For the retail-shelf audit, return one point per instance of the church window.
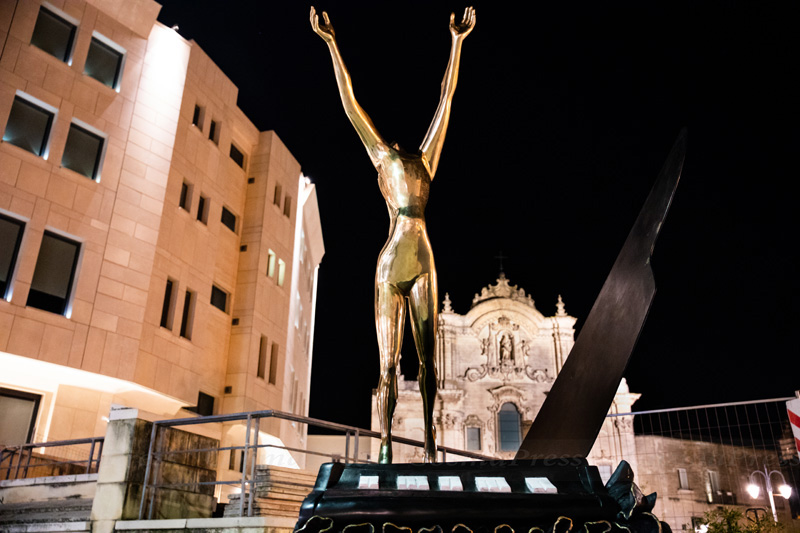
(683, 479)
(272, 258)
(281, 272)
(273, 364)
(713, 481)
(473, 439)
(509, 423)
(84, 150)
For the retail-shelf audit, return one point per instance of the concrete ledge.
(241, 521)
(177, 523)
(207, 523)
(49, 480)
(48, 528)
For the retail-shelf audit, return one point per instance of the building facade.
(495, 365)
(156, 249)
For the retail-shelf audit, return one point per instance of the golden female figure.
(405, 265)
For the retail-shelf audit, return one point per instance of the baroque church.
(496, 364)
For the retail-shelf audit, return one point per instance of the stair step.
(72, 510)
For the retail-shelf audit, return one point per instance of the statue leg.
(424, 323)
(389, 320)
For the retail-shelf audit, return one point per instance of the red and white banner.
(793, 406)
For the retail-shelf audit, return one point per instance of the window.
(228, 219)
(473, 439)
(54, 33)
(273, 364)
(185, 201)
(11, 231)
(168, 307)
(202, 209)
(509, 424)
(271, 258)
(84, 150)
(219, 298)
(281, 272)
(29, 124)
(287, 206)
(261, 371)
(188, 315)
(54, 274)
(713, 482)
(605, 473)
(237, 155)
(205, 405)
(104, 61)
(277, 198)
(683, 479)
(18, 412)
(197, 116)
(213, 131)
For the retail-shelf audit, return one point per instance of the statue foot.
(385, 454)
(430, 452)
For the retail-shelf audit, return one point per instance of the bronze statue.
(405, 265)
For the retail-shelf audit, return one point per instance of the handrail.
(24, 452)
(253, 419)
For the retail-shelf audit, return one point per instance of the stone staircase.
(279, 492)
(59, 515)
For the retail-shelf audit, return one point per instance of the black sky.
(563, 115)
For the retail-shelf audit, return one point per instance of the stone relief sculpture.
(406, 269)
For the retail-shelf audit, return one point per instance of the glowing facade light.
(753, 490)
(785, 490)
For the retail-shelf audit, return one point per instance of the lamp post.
(753, 489)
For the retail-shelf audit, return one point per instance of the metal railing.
(250, 448)
(22, 461)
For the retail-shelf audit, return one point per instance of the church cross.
(500, 258)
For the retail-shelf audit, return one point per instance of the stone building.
(157, 250)
(495, 365)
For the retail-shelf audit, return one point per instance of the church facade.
(496, 364)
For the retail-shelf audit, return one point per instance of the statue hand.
(324, 30)
(466, 25)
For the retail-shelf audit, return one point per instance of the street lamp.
(753, 489)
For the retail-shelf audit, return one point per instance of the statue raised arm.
(405, 270)
(360, 120)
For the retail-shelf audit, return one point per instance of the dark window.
(213, 134)
(229, 219)
(10, 240)
(188, 315)
(277, 198)
(473, 439)
(219, 298)
(18, 412)
(261, 371)
(237, 156)
(205, 405)
(509, 423)
(104, 63)
(287, 206)
(28, 126)
(273, 364)
(202, 210)
(83, 152)
(186, 196)
(53, 34)
(54, 273)
(197, 116)
(168, 306)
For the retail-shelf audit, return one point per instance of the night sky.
(563, 115)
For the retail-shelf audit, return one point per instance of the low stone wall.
(81, 486)
(256, 524)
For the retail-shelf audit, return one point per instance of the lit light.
(753, 490)
(702, 528)
(104, 419)
(786, 491)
